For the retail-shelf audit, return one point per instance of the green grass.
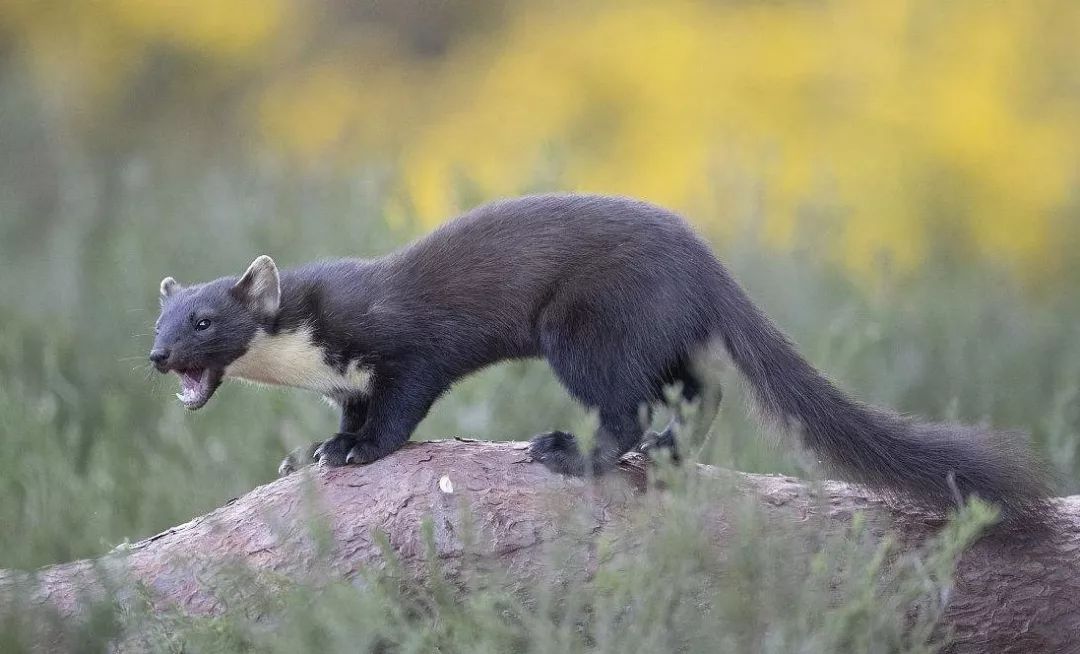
(94, 451)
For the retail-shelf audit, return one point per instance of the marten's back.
(524, 249)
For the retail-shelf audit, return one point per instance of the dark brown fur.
(619, 296)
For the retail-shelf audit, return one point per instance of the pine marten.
(619, 296)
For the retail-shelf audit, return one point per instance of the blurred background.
(898, 184)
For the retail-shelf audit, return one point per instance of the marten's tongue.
(194, 387)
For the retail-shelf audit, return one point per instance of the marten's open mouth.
(197, 385)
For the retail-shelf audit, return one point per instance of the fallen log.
(1010, 595)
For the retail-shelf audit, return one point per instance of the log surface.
(1018, 595)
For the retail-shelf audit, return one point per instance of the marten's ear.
(168, 288)
(260, 288)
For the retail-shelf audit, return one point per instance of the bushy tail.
(934, 464)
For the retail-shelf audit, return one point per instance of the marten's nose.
(158, 356)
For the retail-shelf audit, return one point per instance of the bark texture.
(1015, 595)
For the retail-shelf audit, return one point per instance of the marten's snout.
(158, 356)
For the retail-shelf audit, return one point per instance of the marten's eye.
(202, 324)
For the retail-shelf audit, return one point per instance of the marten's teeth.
(193, 387)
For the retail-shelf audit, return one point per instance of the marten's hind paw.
(558, 451)
(655, 445)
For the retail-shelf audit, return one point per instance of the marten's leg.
(619, 432)
(354, 409)
(606, 364)
(690, 390)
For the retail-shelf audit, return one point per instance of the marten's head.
(204, 328)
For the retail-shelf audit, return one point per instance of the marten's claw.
(333, 452)
(364, 452)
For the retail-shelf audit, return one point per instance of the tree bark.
(1010, 595)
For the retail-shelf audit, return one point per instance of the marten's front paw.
(558, 451)
(298, 458)
(334, 451)
(363, 452)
